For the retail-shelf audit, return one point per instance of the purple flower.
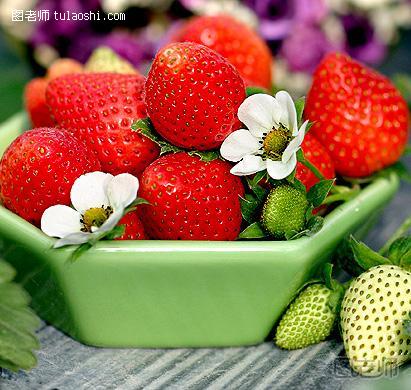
(362, 42)
(53, 31)
(279, 17)
(135, 48)
(304, 48)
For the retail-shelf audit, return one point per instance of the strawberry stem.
(341, 196)
(401, 231)
(311, 167)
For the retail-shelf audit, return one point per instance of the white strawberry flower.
(272, 139)
(99, 202)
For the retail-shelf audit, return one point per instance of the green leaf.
(314, 225)
(403, 83)
(365, 256)
(256, 188)
(17, 324)
(319, 191)
(299, 106)
(250, 206)
(298, 185)
(145, 127)
(400, 252)
(327, 274)
(117, 232)
(80, 250)
(209, 155)
(255, 230)
(254, 90)
(134, 205)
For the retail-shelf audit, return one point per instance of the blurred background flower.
(299, 32)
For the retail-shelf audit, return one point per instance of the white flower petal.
(260, 112)
(279, 170)
(112, 221)
(122, 190)
(73, 239)
(239, 144)
(295, 143)
(248, 166)
(90, 190)
(289, 113)
(60, 221)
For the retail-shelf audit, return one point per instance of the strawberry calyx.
(396, 251)
(145, 127)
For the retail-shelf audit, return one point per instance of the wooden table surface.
(65, 364)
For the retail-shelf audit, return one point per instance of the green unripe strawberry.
(309, 319)
(103, 59)
(374, 312)
(284, 211)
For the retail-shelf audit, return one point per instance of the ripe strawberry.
(99, 108)
(35, 103)
(190, 199)
(192, 96)
(63, 66)
(103, 59)
(38, 169)
(358, 115)
(134, 229)
(284, 211)
(317, 155)
(309, 319)
(374, 310)
(235, 41)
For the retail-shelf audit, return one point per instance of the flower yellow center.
(95, 216)
(275, 142)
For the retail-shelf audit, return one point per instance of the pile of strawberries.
(83, 120)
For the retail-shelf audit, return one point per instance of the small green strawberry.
(311, 317)
(284, 211)
(374, 313)
(103, 59)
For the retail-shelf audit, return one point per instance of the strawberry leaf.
(400, 252)
(403, 83)
(297, 184)
(365, 256)
(145, 127)
(249, 207)
(254, 90)
(17, 324)
(319, 191)
(255, 187)
(299, 107)
(254, 231)
(314, 225)
(208, 155)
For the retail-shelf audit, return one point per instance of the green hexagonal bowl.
(174, 293)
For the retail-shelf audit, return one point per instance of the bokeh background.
(299, 33)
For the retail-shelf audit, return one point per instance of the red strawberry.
(39, 168)
(192, 96)
(317, 155)
(35, 103)
(134, 229)
(63, 66)
(100, 108)
(235, 41)
(358, 114)
(190, 199)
